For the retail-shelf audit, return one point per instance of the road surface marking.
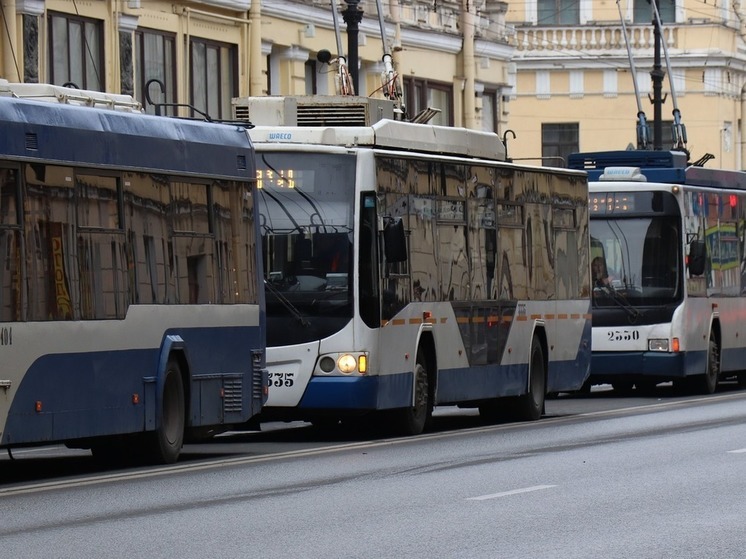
(513, 492)
(739, 451)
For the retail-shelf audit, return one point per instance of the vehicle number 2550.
(623, 335)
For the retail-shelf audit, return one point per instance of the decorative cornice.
(128, 23)
(30, 7)
(296, 53)
(302, 13)
(235, 5)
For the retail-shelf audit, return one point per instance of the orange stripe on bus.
(549, 316)
(562, 316)
(398, 322)
(521, 318)
(462, 319)
(415, 321)
(535, 317)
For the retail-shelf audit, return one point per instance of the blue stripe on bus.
(732, 359)
(454, 385)
(90, 394)
(609, 364)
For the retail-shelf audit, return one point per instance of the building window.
(558, 12)
(213, 82)
(421, 94)
(543, 84)
(643, 11)
(490, 105)
(154, 60)
(76, 54)
(557, 142)
(576, 84)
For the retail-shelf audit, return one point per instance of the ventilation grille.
(32, 142)
(333, 115)
(241, 112)
(331, 110)
(233, 395)
(258, 377)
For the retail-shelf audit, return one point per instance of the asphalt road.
(600, 476)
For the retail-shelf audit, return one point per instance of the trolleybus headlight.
(658, 345)
(326, 364)
(347, 363)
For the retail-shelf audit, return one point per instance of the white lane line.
(739, 451)
(513, 492)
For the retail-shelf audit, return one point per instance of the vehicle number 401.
(281, 379)
(623, 335)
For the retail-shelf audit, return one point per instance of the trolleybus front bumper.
(610, 366)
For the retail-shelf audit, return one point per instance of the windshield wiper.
(292, 309)
(632, 313)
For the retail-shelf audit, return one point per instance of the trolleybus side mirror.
(395, 240)
(697, 252)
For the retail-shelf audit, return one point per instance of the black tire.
(166, 441)
(530, 406)
(708, 382)
(413, 420)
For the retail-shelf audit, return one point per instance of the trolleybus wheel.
(530, 406)
(166, 441)
(709, 381)
(412, 420)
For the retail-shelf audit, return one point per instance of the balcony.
(592, 39)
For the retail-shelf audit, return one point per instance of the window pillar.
(30, 10)
(127, 25)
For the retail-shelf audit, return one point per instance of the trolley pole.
(353, 15)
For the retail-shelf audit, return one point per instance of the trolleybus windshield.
(306, 215)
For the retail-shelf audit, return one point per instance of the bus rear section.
(666, 262)
(130, 315)
(398, 279)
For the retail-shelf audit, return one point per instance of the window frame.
(416, 94)
(140, 54)
(222, 98)
(561, 147)
(98, 65)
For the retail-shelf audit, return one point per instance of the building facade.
(550, 76)
(451, 54)
(575, 85)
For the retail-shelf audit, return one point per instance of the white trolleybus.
(667, 248)
(409, 265)
(130, 316)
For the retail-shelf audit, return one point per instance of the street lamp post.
(657, 74)
(352, 15)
